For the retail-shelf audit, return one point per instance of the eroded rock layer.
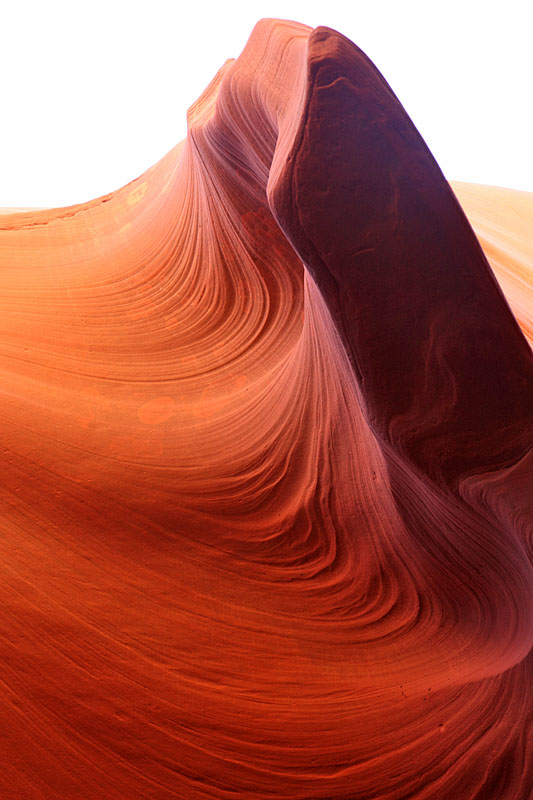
(267, 478)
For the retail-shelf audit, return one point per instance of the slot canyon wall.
(267, 493)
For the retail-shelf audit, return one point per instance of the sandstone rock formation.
(266, 454)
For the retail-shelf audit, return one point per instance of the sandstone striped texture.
(267, 481)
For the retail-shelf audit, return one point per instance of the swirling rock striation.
(266, 454)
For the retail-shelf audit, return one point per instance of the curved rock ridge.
(266, 453)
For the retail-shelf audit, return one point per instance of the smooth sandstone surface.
(267, 416)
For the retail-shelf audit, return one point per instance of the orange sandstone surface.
(267, 481)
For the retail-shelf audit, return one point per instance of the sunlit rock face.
(266, 473)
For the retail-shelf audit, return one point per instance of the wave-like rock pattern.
(267, 478)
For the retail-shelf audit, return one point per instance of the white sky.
(94, 93)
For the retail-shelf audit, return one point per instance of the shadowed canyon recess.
(267, 482)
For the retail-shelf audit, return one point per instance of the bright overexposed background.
(95, 92)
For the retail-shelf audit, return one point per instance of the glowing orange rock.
(267, 477)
